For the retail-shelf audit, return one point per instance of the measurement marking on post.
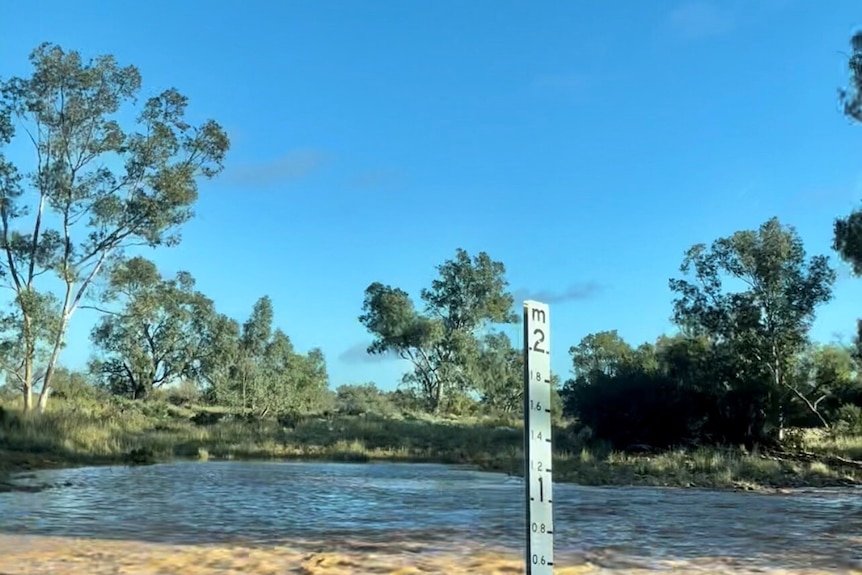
(538, 479)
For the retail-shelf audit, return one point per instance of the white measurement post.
(537, 439)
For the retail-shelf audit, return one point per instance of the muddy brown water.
(432, 510)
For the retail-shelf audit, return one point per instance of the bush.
(849, 420)
(9, 394)
(361, 399)
(184, 394)
(205, 418)
(75, 387)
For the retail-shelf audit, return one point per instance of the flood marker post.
(537, 439)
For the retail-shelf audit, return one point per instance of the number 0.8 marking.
(539, 528)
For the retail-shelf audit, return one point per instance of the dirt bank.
(35, 555)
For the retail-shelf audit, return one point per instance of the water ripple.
(437, 507)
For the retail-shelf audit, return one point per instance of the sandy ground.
(35, 555)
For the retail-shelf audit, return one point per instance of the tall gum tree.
(390, 315)
(93, 190)
(770, 317)
(441, 341)
(848, 230)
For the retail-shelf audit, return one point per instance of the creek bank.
(74, 434)
(16, 465)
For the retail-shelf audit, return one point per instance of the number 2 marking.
(541, 338)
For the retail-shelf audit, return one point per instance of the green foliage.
(604, 352)
(626, 402)
(260, 372)
(184, 394)
(8, 394)
(363, 398)
(740, 370)
(72, 215)
(158, 336)
(849, 420)
(441, 343)
(851, 97)
(75, 386)
(847, 238)
(767, 322)
(217, 364)
(498, 374)
(829, 374)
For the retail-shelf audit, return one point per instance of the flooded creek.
(419, 513)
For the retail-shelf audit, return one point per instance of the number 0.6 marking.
(540, 560)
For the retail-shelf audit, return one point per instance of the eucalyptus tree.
(440, 341)
(769, 317)
(160, 333)
(259, 372)
(89, 189)
(848, 230)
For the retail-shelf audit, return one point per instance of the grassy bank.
(124, 432)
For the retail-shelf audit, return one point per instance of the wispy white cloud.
(293, 165)
(358, 353)
(577, 291)
(699, 19)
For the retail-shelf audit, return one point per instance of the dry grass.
(704, 467)
(92, 433)
(822, 443)
(114, 432)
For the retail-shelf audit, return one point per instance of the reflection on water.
(437, 507)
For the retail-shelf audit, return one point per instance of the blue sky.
(584, 144)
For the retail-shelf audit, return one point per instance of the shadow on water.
(431, 508)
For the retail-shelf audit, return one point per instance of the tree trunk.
(68, 309)
(780, 423)
(27, 389)
(43, 398)
(778, 386)
(49, 369)
(29, 354)
(27, 384)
